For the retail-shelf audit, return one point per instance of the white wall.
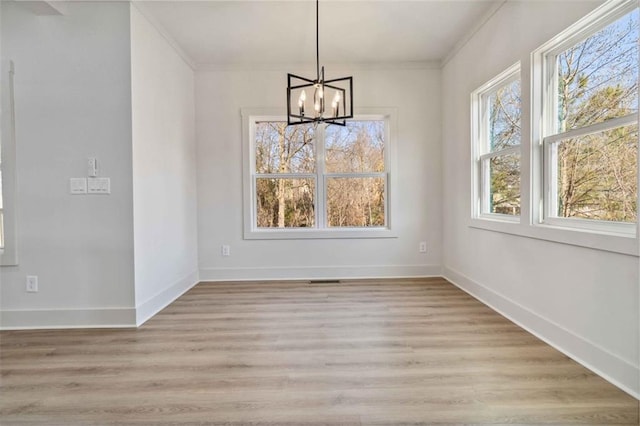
(219, 97)
(583, 301)
(164, 170)
(73, 101)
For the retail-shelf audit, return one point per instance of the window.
(589, 133)
(321, 181)
(555, 154)
(496, 142)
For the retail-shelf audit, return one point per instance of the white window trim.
(251, 232)
(479, 159)
(532, 176)
(9, 254)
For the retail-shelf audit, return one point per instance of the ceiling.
(259, 33)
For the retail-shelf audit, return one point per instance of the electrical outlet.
(100, 185)
(422, 247)
(226, 250)
(32, 284)
(78, 186)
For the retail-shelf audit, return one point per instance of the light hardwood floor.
(360, 352)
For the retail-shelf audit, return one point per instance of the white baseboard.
(605, 364)
(319, 272)
(155, 304)
(67, 318)
(96, 318)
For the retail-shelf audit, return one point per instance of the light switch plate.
(99, 185)
(78, 186)
(92, 167)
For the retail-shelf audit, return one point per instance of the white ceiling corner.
(43, 8)
(265, 33)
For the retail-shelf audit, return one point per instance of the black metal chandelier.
(339, 90)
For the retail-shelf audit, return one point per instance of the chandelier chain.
(318, 39)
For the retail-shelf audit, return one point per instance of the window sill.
(604, 241)
(499, 218)
(311, 234)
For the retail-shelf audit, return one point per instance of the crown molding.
(331, 67)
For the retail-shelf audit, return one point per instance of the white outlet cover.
(32, 284)
(99, 185)
(78, 186)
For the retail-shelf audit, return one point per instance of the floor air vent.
(324, 282)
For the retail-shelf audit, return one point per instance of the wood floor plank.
(362, 352)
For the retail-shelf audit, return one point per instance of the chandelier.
(313, 108)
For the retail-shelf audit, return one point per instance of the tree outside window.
(592, 151)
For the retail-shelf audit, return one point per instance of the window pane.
(504, 193)
(356, 147)
(285, 203)
(504, 117)
(282, 149)
(597, 175)
(355, 202)
(598, 78)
